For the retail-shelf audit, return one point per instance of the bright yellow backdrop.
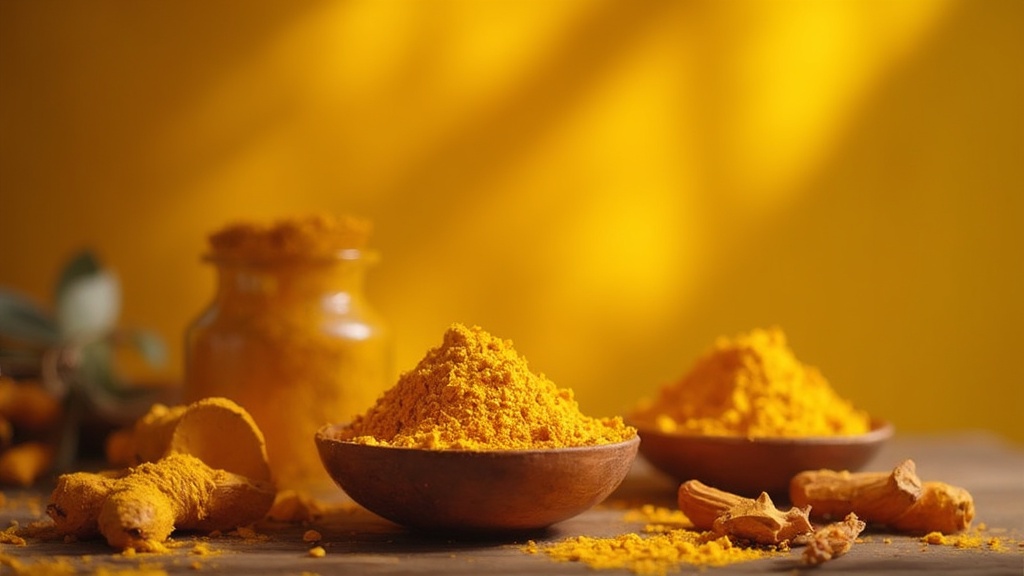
(609, 184)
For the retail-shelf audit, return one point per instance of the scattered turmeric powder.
(317, 552)
(658, 516)
(10, 536)
(976, 538)
(752, 386)
(475, 392)
(655, 554)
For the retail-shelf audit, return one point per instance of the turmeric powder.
(475, 392)
(655, 554)
(751, 386)
(315, 236)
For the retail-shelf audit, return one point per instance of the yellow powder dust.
(657, 519)
(40, 567)
(10, 536)
(475, 392)
(143, 570)
(203, 549)
(656, 554)
(307, 237)
(753, 386)
(974, 539)
(317, 552)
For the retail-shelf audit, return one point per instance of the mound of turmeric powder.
(475, 392)
(302, 238)
(753, 386)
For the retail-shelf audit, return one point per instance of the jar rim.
(368, 256)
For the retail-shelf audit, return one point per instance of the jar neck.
(289, 281)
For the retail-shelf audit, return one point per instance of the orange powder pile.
(751, 386)
(475, 392)
(302, 238)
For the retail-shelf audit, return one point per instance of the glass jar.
(295, 342)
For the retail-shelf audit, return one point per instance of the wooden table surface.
(357, 542)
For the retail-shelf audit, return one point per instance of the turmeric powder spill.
(649, 554)
(475, 392)
(752, 386)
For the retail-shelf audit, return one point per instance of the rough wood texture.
(357, 542)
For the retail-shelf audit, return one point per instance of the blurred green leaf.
(151, 346)
(80, 265)
(96, 369)
(21, 319)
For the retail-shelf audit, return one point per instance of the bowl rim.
(880, 430)
(322, 436)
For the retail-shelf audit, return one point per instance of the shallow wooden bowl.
(471, 491)
(749, 466)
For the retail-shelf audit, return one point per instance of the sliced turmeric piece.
(202, 429)
(147, 440)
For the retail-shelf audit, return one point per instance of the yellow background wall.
(609, 184)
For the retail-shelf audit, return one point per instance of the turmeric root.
(23, 464)
(178, 492)
(877, 496)
(77, 499)
(898, 499)
(223, 435)
(27, 405)
(727, 514)
(209, 472)
(941, 508)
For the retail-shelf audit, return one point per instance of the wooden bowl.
(475, 491)
(749, 466)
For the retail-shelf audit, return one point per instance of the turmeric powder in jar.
(290, 335)
(752, 386)
(475, 392)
